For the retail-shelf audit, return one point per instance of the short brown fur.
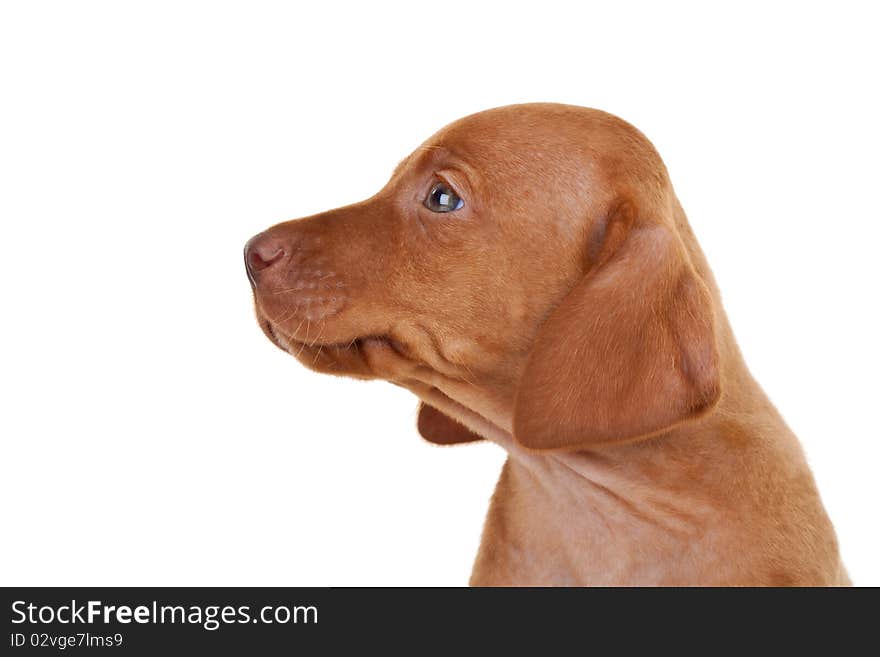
(567, 313)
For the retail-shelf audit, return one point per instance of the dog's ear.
(440, 429)
(630, 352)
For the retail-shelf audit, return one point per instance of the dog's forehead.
(536, 141)
(516, 129)
(544, 139)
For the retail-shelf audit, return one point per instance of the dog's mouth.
(335, 357)
(289, 344)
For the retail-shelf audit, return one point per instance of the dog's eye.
(441, 198)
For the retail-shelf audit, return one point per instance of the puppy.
(530, 275)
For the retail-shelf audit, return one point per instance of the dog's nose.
(261, 252)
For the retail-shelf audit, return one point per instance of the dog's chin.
(342, 358)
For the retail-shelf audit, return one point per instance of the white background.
(150, 433)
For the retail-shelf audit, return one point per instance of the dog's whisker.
(288, 316)
(299, 326)
(318, 337)
(298, 288)
(304, 343)
(305, 318)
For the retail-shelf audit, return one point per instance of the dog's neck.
(591, 518)
(673, 509)
(658, 512)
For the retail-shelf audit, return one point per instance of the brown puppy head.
(535, 254)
